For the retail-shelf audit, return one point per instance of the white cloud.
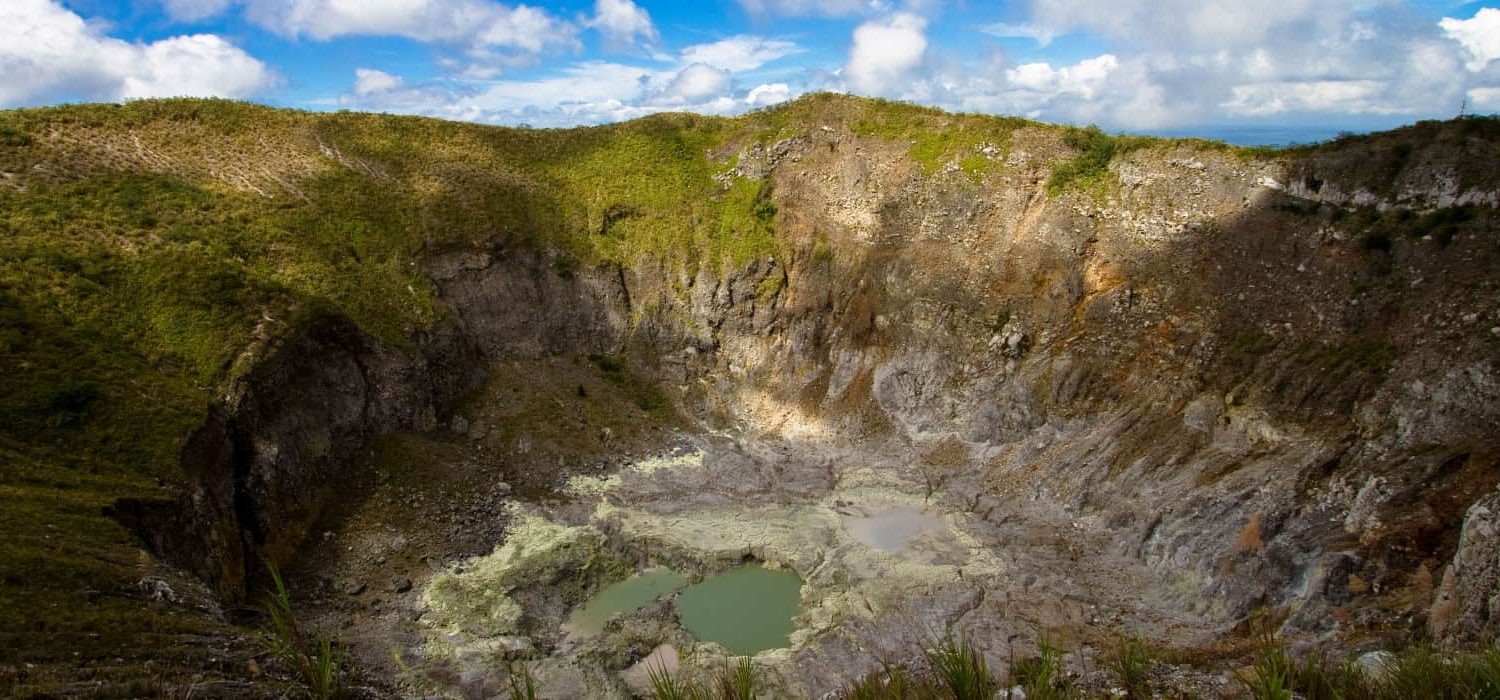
(622, 21)
(1479, 36)
(1168, 63)
(1043, 36)
(886, 53)
(768, 94)
(368, 81)
(476, 23)
(194, 10)
(739, 53)
(48, 53)
(1176, 62)
(200, 64)
(1484, 99)
(1186, 23)
(696, 83)
(1083, 79)
(1347, 96)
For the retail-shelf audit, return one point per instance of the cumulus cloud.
(1479, 36)
(1164, 63)
(623, 21)
(740, 53)
(477, 23)
(695, 83)
(48, 53)
(1186, 23)
(886, 53)
(368, 81)
(1264, 99)
(1083, 79)
(1485, 98)
(1176, 62)
(768, 94)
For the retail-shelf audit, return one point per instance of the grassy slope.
(144, 248)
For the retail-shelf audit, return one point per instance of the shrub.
(1095, 151)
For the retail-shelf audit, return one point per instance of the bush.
(1095, 151)
(1418, 672)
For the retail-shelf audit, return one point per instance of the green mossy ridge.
(939, 138)
(1095, 151)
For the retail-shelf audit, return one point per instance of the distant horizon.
(1234, 134)
(1206, 67)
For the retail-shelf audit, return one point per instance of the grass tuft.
(1130, 662)
(522, 683)
(961, 666)
(736, 681)
(316, 661)
(1043, 677)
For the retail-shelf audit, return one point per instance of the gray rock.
(1467, 607)
(1373, 663)
(400, 584)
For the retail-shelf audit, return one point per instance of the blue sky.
(1279, 71)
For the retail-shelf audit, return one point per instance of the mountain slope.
(208, 306)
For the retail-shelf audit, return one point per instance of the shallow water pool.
(890, 530)
(747, 610)
(626, 596)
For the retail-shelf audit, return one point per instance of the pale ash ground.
(884, 567)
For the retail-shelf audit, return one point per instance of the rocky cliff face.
(1246, 387)
(1218, 369)
(1269, 381)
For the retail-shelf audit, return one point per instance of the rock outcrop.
(1269, 381)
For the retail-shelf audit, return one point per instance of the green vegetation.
(891, 681)
(938, 138)
(152, 252)
(961, 667)
(1380, 229)
(1417, 672)
(522, 683)
(1043, 676)
(645, 395)
(316, 661)
(1131, 661)
(1095, 150)
(734, 682)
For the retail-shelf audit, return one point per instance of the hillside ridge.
(214, 310)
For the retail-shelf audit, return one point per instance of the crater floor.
(887, 567)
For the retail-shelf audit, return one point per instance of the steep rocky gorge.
(1203, 385)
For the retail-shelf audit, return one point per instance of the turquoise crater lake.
(747, 610)
(625, 596)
